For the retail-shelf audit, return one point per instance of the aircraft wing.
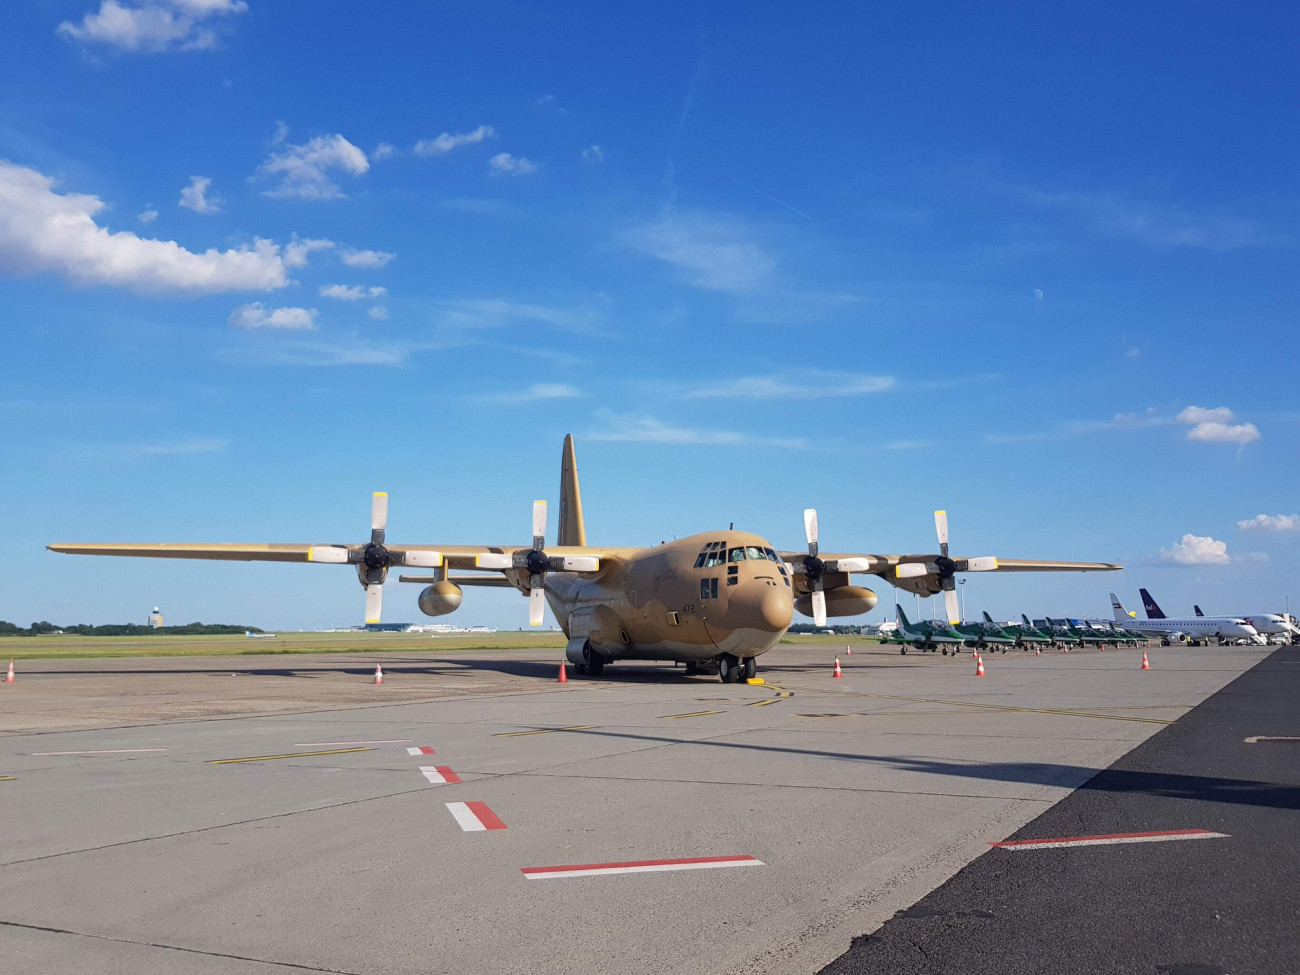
(454, 556)
(885, 565)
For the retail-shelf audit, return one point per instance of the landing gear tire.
(749, 668)
(729, 668)
(944, 651)
(903, 651)
(593, 664)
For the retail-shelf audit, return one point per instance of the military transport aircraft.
(716, 599)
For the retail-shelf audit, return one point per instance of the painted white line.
(1256, 739)
(440, 774)
(1110, 839)
(106, 751)
(639, 866)
(420, 750)
(474, 817)
(331, 744)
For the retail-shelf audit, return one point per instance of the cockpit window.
(771, 556)
(699, 562)
(714, 558)
(754, 552)
(737, 555)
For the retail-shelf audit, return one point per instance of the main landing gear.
(733, 670)
(593, 664)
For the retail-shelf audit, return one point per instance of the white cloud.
(195, 196)
(379, 313)
(1038, 293)
(499, 313)
(351, 292)
(298, 249)
(1216, 426)
(304, 170)
(151, 26)
(382, 151)
(257, 315)
(713, 252)
(1197, 550)
(41, 230)
(536, 393)
(1271, 523)
(812, 385)
(295, 351)
(354, 258)
(630, 428)
(148, 215)
(593, 154)
(504, 164)
(446, 142)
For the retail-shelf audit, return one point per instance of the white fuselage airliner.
(1187, 629)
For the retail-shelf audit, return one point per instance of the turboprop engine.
(841, 601)
(441, 598)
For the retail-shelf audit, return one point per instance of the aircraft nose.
(760, 606)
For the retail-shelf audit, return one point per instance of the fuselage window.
(704, 588)
(737, 555)
(713, 588)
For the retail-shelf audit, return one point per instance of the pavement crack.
(191, 951)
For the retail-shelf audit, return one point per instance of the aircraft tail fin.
(1025, 619)
(1198, 610)
(1121, 614)
(571, 531)
(1154, 612)
(987, 617)
(902, 617)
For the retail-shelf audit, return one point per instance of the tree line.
(124, 629)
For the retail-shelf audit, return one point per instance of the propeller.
(537, 563)
(814, 568)
(374, 559)
(945, 568)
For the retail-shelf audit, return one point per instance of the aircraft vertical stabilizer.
(572, 531)
(1198, 610)
(902, 617)
(1154, 612)
(1121, 614)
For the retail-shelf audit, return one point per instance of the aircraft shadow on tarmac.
(1165, 784)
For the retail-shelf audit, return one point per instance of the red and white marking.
(420, 750)
(474, 817)
(332, 744)
(439, 774)
(1107, 839)
(638, 866)
(106, 751)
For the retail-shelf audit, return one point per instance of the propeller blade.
(810, 528)
(986, 563)
(849, 565)
(336, 554)
(911, 570)
(374, 601)
(950, 604)
(941, 529)
(539, 525)
(819, 606)
(379, 513)
(579, 563)
(424, 559)
(493, 560)
(536, 606)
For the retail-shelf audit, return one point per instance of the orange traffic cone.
(1145, 664)
(837, 673)
(564, 674)
(979, 666)
(9, 677)
(848, 650)
(379, 674)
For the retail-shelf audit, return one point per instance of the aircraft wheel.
(750, 666)
(944, 651)
(729, 668)
(903, 651)
(593, 663)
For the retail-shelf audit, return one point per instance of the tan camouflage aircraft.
(713, 601)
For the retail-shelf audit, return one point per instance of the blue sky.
(1036, 266)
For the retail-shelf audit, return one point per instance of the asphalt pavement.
(1217, 905)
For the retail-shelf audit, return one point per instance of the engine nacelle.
(841, 601)
(1175, 637)
(441, 598)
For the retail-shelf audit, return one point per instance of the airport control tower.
(155, 618)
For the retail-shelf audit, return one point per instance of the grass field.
(56, 646)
